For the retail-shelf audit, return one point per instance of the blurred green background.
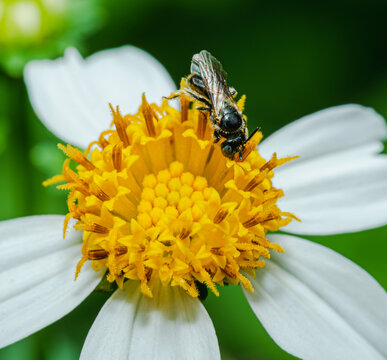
(290, 58)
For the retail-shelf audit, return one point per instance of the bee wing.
(214, 78)
(205, 57)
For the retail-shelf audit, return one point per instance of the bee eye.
(227, 150)
(231, 121)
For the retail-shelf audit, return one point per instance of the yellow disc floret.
(157, 201)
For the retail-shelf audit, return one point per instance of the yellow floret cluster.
(157, 201)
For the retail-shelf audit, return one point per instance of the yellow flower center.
(157, 201)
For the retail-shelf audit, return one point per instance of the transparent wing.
(205, 57)
(214, 78)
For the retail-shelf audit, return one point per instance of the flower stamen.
(184, 105)
(148, 115)
(117, 156)
(75, 155)
(120, 124)
(220, 216)
(95, 228)
(202, 124)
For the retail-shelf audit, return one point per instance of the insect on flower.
(207, 85)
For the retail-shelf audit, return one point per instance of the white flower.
(313, 302)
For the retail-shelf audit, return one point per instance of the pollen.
(157, 201)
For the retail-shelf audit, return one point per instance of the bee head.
(229, 148)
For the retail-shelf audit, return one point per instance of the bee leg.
(203, 108)
(240, 154)
(216, 136)
(175, 94)
(172, 96)
(195, 95)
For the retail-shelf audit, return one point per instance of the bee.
(207, 84)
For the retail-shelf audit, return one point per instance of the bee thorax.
(231, 120)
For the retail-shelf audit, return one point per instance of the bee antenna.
(252, 134)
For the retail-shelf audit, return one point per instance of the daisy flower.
(155, 209)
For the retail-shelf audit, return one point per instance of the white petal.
(338, 184)
(71, 95)
(37, 270)
(316, 304)
(335, 194)
(172, 325)
(327, 131)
